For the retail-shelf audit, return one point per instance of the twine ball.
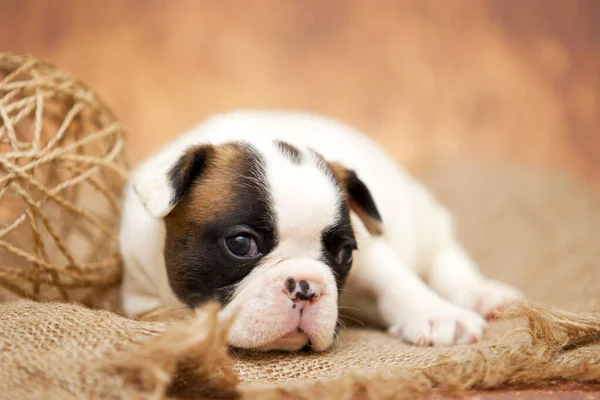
(62, 169)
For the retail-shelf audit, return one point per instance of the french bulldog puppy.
(271, 213)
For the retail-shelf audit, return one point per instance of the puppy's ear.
(162, 182)
(360, 199)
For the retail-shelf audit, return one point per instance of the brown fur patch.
(339, 172)
(215, 193)
(373, 226)
(342, 175)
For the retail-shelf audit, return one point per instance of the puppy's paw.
(488, 297)
(451, 325)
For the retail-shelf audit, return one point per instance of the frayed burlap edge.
(192, 358)
(189, 359)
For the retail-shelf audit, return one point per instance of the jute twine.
(62, 166)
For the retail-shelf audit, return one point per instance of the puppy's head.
(263, 228)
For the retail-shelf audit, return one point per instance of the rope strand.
(60, 146)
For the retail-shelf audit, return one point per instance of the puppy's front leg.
(408, 307)
(454, 275)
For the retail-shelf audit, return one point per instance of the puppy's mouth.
(295, 340)
(297, 334)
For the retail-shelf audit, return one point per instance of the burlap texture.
(537, 231)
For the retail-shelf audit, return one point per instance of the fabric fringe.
(192, 359)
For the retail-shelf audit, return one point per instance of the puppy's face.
(264, 229)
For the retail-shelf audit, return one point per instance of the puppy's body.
(415, 241)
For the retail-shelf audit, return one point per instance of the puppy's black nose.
(302, 290)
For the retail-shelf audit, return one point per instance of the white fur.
(264, 315)
(305, 202)
(418, 238)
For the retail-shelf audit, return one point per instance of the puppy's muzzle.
(285, 307)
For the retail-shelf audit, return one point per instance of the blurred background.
(500, 81)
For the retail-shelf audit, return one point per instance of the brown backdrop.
(498, 80)
(504, 80)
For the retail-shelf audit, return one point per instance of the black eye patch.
(198, 253)
(333, 240)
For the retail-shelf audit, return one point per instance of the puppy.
(268, 212)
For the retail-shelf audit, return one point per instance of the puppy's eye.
(344, 256)
(242, 245)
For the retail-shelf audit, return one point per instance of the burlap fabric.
(537, 231)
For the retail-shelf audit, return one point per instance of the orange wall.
(499, 80)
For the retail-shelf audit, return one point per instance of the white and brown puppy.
(264, 211)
